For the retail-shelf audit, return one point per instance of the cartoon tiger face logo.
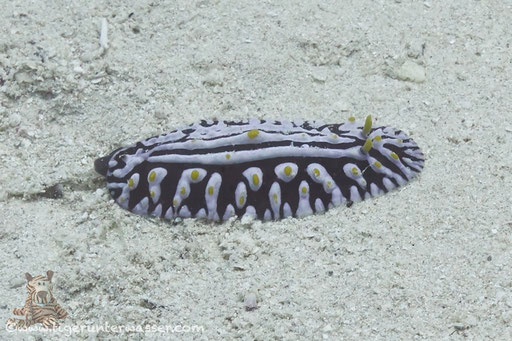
(40, 288)
(40, 305)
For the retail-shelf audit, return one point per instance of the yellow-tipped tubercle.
(152, 176)
(253, 133)
(367, 125)
(287, 170)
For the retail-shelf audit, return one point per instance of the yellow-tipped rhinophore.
(367, 125)
(367, 145)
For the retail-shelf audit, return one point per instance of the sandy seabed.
(431, 261)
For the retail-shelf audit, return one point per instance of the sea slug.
(259, 168)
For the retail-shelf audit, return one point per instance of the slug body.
(263, 169)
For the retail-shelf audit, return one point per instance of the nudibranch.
(263, 169)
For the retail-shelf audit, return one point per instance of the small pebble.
(459, 326)
(78, 69)
(52, 192)
(410, 71)
(99, 192)
(14, 120)
(23, 77)
(214, 78)
(250, 302)
(319, 76)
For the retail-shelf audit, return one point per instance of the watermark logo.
(40, 305)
